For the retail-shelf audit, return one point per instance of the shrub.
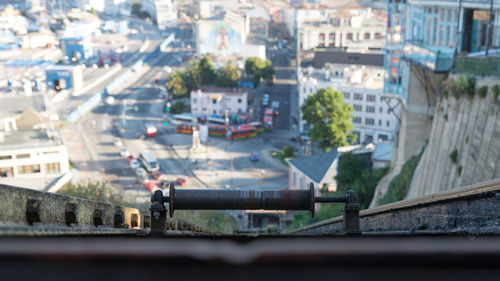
(449, 87)
(465, 84)
(454, 155)
(482, 91)
(495, 89)
(459, 170)
(467, 139)
(287, 151)
(445, 93)
(179, 107)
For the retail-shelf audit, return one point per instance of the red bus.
(241, 133)
(257, 125)
(186, 128)
(268, 123)
(217, 130)
(151, 130)
(269, 111)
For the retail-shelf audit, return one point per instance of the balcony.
(478, 66)
(433, 60)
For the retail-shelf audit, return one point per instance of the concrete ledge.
(472, 210)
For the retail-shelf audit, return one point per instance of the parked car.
(134, 164)
(109, 100)
(117, 141)
(124, 152)
(181, 181)
(157, 175)
(142, 175)
(254, 156)
(130, 158)
(151, 186)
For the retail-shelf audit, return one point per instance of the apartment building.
(360, 78)
(163, 12)
(215, 101)
(30, 153)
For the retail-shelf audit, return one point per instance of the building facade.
(362, 87)
(162, 12)
(32, 154)
(213, 101)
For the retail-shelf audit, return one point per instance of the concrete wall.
(470, 125)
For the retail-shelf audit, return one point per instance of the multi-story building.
(32, 153)
(356, 28)
(360, 78)
(162, 12)
(425, 40)
(215, 101)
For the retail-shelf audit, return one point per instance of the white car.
(117, 141)
(142, 175)
(109, 100)
(134, 164)
(124, 152)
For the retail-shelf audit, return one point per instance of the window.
(194, 99)
(383, 137)
(239, 110)
(321, 40)
(204, 109)
(371, 98)
(347, 95)
(349, 36)
(214, 101)
(356, 120)
(369, 121)
(28, 169)
(5, 157)
(52, 168)
(300, 183)
(239, 100)
(366, 36)
(6, 172)
(380, 110)
(23, 156)
(358, 96)
(370, 109)
(293, 179)
(215, 111)
(51, 152)
(388, 123)
(380, 122)
(357, 107)
(331, 39)
(388, 110)
(378, 35)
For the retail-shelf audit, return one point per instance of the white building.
(355, 27)
(215, 101)
(117, 7)
(30, 153)
(163, 12)
(360, 78)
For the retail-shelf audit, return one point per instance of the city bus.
(148, 161)
(183, 118)
(257, 125)
(186, 128)
(216, 120)
(217, 130)
(268, 123)
(241, 133)
(150, 130)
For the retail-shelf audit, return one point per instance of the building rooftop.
(315, 166)
(22, 139)
(340, 57)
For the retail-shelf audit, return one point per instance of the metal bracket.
(351, 214)
(158, 213)
(33, 210)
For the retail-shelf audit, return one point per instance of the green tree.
(96, 191)
(179, 107)
(259, 69)
(136, 9)
(92, 11)
(228, 76)
(207, 71)
(287, 151)
(330, 118)
(176, 84)
(192, 77)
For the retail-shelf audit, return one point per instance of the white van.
(149, 162)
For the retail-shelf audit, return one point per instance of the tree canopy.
(207, 70)
(228, 76)
(259, 69)
(329, 117)
(176, 84)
